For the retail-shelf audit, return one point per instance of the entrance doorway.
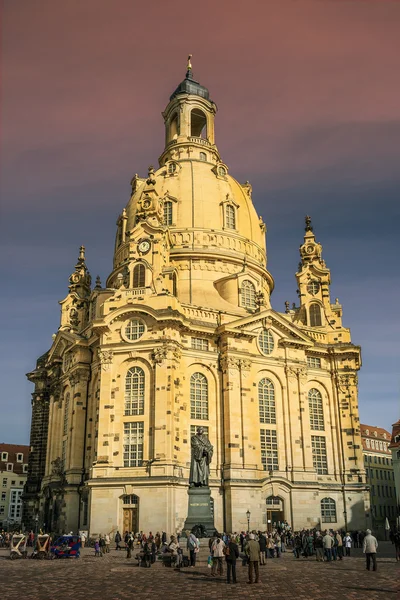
(275, 512)
(131, 513)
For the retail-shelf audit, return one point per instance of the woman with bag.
(231, 552)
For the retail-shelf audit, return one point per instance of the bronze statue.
(202, 452)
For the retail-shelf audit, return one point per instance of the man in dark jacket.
(231, 555)
(262, 540)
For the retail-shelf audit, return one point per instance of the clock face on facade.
(147, 204)
(144, 246)
(309, 249)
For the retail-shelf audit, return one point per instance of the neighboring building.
(182, 335)
(380, 477)
(395, 450)
(13, 473)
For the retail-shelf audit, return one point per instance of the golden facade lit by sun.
(182, 335)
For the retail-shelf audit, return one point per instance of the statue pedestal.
(199, 511)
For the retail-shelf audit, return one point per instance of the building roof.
(395, 441)
(375, 439)
(190, 86)
(12, 451)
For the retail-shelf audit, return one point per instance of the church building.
(183, 335)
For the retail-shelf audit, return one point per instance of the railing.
(199, 140)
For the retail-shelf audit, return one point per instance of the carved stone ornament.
(57, 468)
(55, 391)
(296, 372)
(159, 355)
(105, 357)
(349, 379)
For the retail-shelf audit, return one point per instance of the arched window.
(266, 341)
(168, 212)
(66, 414)
(139, 276)
(266, 399)
(198, 123)
(230, 217)
(173, 128)
(248, 294)
(172, 168)
(316, 409)
(199, 397)
(315, 315)
(203, 156)
(134, 391)
(328, 510)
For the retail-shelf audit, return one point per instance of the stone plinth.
(199, 509)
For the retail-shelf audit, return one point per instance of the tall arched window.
(203, 156)
(316, 409)
(248, 294)
(315, 315)
(328, 510)
(266, 399)
(230, 217)
(134, 391)
(198, 123)
(139, 276)
(168, 212)
(66, 413)
(199, 397)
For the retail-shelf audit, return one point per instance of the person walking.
(370, 547)
(252, 550)
(347, 543)
(107, 542)
(117, 540)
(193, 547)
(231, 555)
(217, 553)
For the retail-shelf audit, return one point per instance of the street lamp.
(248, 521)
(36, 524)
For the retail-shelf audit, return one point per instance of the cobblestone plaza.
(113, 577)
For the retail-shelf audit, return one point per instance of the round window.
(134, 329)
(172, 168)
(266, 341)
(313, 288)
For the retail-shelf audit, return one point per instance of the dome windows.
(172, 168)
(230, 217)
(248, 294)
(134, 330)
(173, 128)
(266, 341)
(222, 171)
(168, 212)
(203, 156)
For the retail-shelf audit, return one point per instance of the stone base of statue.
(199, 511)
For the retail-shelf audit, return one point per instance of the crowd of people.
(252, 548)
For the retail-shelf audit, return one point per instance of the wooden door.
(131, 520)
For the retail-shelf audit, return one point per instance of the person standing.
(231, 555)
(217, 553)
(263, 548)
(107, 541)
(193, 547)
(252, 550)
(370, 546)
(117, 540)
(339, 545)
(319, 547)
(328, 543)
(347, 543)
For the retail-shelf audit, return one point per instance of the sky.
(308, 98)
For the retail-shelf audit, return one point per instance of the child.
(97, 548)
